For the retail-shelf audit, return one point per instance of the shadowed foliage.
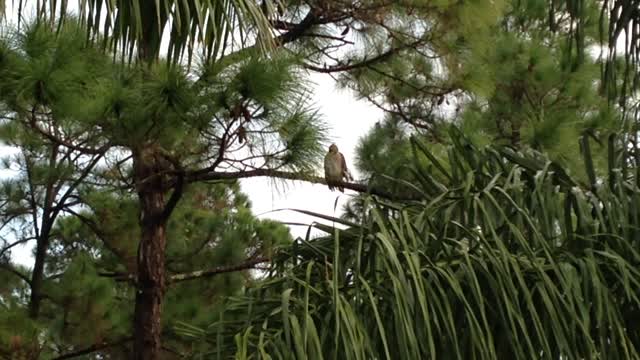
(508, 257)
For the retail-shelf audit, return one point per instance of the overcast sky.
(348, 119)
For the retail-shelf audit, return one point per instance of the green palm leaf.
(149, 28)
(494, 265)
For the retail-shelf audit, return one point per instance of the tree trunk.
(151, 255)
(515, 134)
(38, 275)
(42, 236)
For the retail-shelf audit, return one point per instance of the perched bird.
(335, 168)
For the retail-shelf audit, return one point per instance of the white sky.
(348, 118)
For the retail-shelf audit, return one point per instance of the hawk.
(335, 168)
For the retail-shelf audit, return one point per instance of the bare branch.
(361, 188)
(86, 172)
(22, 241)
(246, 265)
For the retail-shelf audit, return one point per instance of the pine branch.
(246, 265)
(95, 228)
(178, 189)
(62, 142)
(72, 187)
(364, 63)
(298, 30)
(18, 242)
(7, 267)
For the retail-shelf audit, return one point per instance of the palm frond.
(149, 28)
(510, 258)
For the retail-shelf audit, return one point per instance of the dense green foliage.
(521, 86)
(523, 243)
(92, 252)
(507, 258)
(73, 197)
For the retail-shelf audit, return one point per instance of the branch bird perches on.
(193, 176)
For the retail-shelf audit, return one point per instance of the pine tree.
(523, 86)
(62, 94)
(237, 115)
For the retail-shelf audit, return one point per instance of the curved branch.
(364, 63)
(18, 242)
(59, 141)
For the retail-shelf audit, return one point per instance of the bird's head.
(333, 149)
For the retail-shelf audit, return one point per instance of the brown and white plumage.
(335, 168)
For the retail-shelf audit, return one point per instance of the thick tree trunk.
(151, 255)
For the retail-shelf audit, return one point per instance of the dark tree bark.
(151, 284)
(42, 236)
(37, 276)
(149, 172)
